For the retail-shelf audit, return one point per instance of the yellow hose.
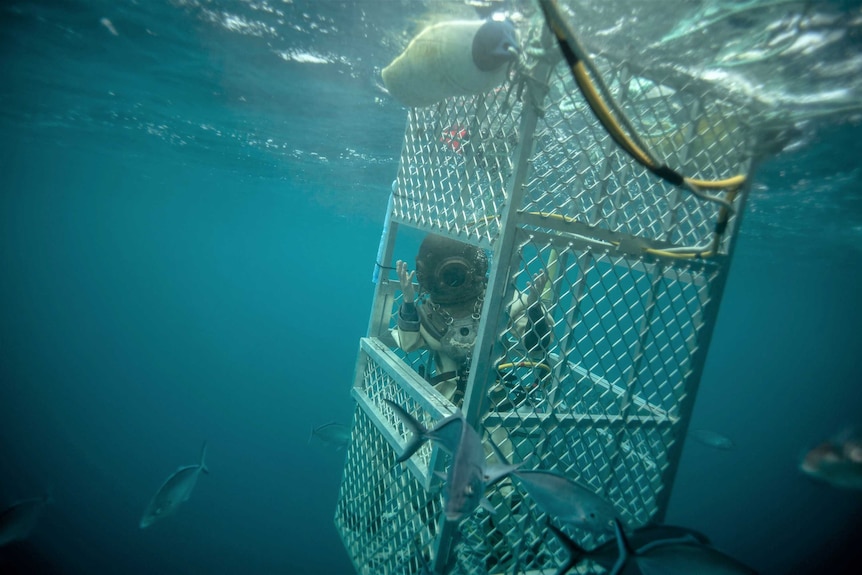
(576, 58)
(543, 366)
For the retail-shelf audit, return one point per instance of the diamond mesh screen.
(455, 163)
(386, 518)
(579, 172)
(604, 406)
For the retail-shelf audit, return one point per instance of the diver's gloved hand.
(406, 279)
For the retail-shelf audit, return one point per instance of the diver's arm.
(530, 321)
(407, 334)
(405, 278)
(408, 317)
(523, 300)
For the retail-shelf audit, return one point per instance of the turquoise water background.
(191, 197)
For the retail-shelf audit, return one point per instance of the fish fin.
(496, 473)
(487, 506)
(448, 432)
(498, 452)
(414, 426)
(687, 539)
(623, 545)
(203, 464)
(576, 552)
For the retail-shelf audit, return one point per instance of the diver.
(445, 316)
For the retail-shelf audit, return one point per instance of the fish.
(175, 490)
(566, 500)
(19, 519)
(606, 554)
(334, 435)
(468, 475)
(837, 462)
(711, 439)
(673, 556)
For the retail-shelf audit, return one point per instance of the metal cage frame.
(543, 188)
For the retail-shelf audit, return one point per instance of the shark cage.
(552, 174)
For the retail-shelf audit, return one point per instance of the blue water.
(189, 215)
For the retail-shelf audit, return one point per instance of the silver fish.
(19, 519)
(711, 439)
(334, 435)
(837, 462)
(468, 474)
(567, 500)
(673, 557)
(174, 491)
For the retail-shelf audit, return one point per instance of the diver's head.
(452, 272)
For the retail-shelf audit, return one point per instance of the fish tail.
(203, 464)
(623, 544)
(418, 431)
(576, 552)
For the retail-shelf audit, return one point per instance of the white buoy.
(458, 58)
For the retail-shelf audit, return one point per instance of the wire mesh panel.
(604, 402)
(578, 171)
(623, 272)
(386, 517)
(455, 163)
(387, 514)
